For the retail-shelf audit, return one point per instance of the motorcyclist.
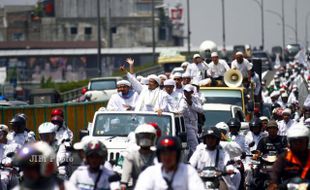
(47, 132)
(234, 128)
(19, 135)
(93, 175)
(273, 143)
(210, 153)
(254, 135)
(37, 162)
(170, 173)
(295, 161)
(137, 160)
(63, 132)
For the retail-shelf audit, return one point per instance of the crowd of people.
(282, 138)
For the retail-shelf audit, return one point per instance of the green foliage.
(62, 87)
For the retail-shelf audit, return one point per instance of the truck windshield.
(122, 124)
(102, 85)
(219, 96)
(215, 116)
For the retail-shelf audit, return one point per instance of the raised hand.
(130, 61)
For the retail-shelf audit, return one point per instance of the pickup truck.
(115, 128)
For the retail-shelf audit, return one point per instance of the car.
(101, 89)
(215, 113)
(264, 57)
(5, 103)
(114, 128)
(224, 95)
(291, 50)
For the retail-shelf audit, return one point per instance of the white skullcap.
(196, 56)
(145, 81)
(139, 77)
(274, 94)
(184, 64)
(189, 88)
(239, 53)
(154, 77)
(284, 95)
(186, 75)
(287, 111)
(262, 118)
(214, 54)
(282, 89)
(162, 76)
(169, 82)
(177, 75)
(124, 82)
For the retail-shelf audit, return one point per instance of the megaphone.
(233, 78)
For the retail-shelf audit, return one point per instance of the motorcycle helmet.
(158, 130)
(4, 128)
(145, 135)
(18, 123)
(255, 123)
(212, 131)
(298, 131)
(57, 112)
(223, 127)
(168, 143)
(234, 123)
(40, 151)
(97, 147)
(47, 127)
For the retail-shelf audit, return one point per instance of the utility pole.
(108, 21)
(153, 31)
(99, 39)
(296, 22)
(188, 29)
(223, 25)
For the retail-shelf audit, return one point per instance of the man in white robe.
(125, 99)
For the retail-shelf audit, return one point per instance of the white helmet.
(222, 126)
(298, 131)
(142, 138)
(47, 127)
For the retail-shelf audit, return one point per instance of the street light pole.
(223, 25)
(188, 29)
(283, 25)
(261, 6)
(98, 39)
(153, 31)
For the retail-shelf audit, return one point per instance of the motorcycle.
(213, 179)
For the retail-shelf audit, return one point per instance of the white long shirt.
(20, 138)
(250, 137)
(149, 98)
(203, 157)
(190, 111)
(83, 179)
(197, 71)
(240, 139)
(243, 67)
(118, 103)
(219, 69)
(185, 178)
(283, 126)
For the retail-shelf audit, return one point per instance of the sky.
(242, 18)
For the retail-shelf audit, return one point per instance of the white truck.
(116, 129)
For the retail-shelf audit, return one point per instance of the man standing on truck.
(125, 99)
(242, 64)
(197, 69)
(217, 67)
